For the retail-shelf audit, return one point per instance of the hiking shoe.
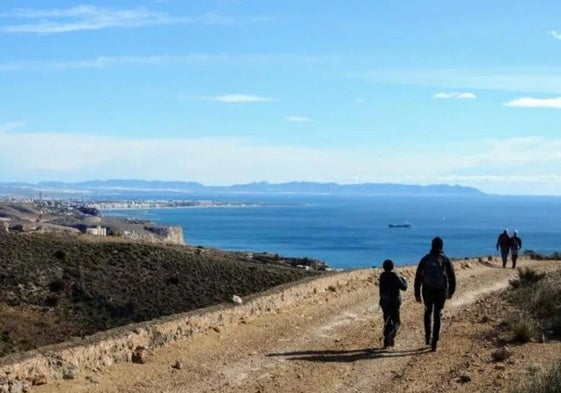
(433, 346)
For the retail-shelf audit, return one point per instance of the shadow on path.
(328, 356)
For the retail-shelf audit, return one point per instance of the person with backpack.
(503, 244)
(390, 300)
(515, 245)
(436, 280)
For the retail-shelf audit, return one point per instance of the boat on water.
(403, 225)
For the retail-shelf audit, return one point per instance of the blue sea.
(353, 231)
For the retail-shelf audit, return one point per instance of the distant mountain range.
(99, 186)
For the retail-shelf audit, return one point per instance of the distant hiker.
(515, 245)
(503, 244)
(390, 300)
(436, 280)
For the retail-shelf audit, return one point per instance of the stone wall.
(19, 372)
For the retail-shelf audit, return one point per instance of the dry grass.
(548, 381)
(539, 298)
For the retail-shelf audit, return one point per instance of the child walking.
(390, 300)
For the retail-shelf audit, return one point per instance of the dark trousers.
(514, 256)
(434, 303)
(391, 322)
(504, 256)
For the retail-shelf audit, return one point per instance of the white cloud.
(101, 62)
(518, 165)
(529, 102)
(240, 98)
(229, 98)
(462, 96)
(555, 34)
(86, 17)
(534, 79)
(298, 119)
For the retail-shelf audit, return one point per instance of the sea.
(353, 231)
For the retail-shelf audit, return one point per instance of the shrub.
(57, 285)
(526, 277)
(540, 298)
(547, 382)
(544, 299)
(59, 254)
(5, 337)
(538, 256)
(524, 329)
(52, 300)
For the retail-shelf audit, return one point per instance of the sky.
(225, 92)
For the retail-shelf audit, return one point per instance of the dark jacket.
(448, 267)
(503, 242)
(515, 243)
(390, 286)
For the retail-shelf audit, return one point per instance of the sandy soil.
(334, 345)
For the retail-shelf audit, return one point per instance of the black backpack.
(434, 273)
(514, 243)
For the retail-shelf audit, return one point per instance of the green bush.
(547, 382)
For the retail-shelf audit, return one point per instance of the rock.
(69, 373)
(501, 354)
(139, 355)
(236, 299)
(500, 367)
(464, 377)
(40, 380)
(91, 380)
(16, 387)
(177, 365)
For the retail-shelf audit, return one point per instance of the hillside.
(53, 287)
(67, 216)
(177, 188)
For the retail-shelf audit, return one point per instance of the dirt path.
(332, 345)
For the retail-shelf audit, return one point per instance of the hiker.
(436, 280)
(390, 300)
(503, 243)
(515, 245)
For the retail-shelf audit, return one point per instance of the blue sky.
(232, 91)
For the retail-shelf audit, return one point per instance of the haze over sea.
(352, 231)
